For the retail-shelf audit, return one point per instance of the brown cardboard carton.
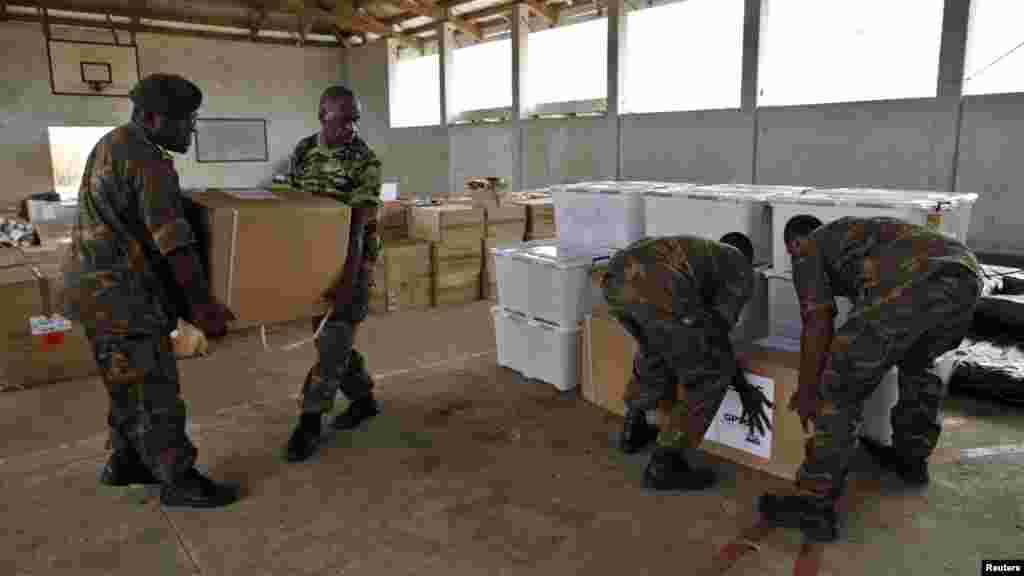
(456, 280)
(540, 218)
(407, 274)
(606, 366)
(392, 219)
(270, 261)
(447, 223)
(608, 352)
(507, 223)
(10, 256)
(780, 370)
(40, 346)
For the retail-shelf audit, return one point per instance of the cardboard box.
(607, 362)
(607, 365)
(407, 274)
(540, 218)
(453, 224)
(392, 219)
(456, 278)
(271, 260)
(507, 223)
(40, 346)
(10, 256)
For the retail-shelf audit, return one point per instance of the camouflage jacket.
(130, 217)
(869, 261)
(682, 273)
(350, 174)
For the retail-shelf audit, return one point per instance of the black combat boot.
(815, 517)
(194, 490)
(668, 470)
(636, 432)
(357, 412)
(305, 438)
(913, 470)
(125, 468)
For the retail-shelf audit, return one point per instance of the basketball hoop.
(98, 85)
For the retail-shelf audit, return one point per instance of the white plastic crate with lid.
(537, 350)
(599, 214)
(947, 213)
(784, 307)
(511, 337)
(714, 211)
(547, 280)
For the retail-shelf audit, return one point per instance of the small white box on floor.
(547, 280)
(948, 213)
(728, 430)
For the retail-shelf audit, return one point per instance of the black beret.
(167, 95)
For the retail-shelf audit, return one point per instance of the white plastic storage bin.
(553, 354)
(948, 213)
(63, 212)
(713, 212)
(599, 215)
(753, 323)
(547, 280)
(511, 334)
(784, 307)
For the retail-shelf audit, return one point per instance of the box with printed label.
(40, 345)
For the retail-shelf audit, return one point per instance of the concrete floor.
(469, 470)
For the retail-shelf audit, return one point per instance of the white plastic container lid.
(552, 253)
(879, 198)
(718, 193)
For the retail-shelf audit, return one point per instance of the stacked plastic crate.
(544, 288)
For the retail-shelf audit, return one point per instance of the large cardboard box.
(607, 363)
(270, 260)
(456, 274)
(452, 224)
(39, 345)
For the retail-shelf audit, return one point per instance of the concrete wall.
(279, 83)
(896, 144)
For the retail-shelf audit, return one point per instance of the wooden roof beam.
(548, 13)
(439, 14)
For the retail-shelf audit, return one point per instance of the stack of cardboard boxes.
(456, 234)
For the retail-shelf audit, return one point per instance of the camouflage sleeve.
(297, 159)
(810, 278)
(367, 180)
(160, 207)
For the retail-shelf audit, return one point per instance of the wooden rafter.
(167, 31)
(439, 14)
(345, 16)
(470, 16)
(406, 16)
(549, 14)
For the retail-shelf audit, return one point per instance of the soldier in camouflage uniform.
(337, 163)
(680, 298)
(133, 271)
(914, 293)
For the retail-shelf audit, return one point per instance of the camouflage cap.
(167, 94)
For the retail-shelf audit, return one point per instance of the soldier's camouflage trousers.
(147, 413)
(339, 366)
(911, 332)
(676, 347)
